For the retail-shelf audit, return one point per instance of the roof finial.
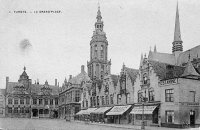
(24, 68)
(189, 56)
(99, 13)
(155, 50)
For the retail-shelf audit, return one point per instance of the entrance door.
(192, 117)
(35, 112)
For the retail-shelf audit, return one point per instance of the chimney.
(37, 81)
(56, 82)
(82, 69)
(70, 76)
(7, 80)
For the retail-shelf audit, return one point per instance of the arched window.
(101, 51)
(95, 49)
(145, 79)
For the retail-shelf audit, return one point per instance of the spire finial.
(99, 13)
(24, 68)
(155, 50)
(177, 32)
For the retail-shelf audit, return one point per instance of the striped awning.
(118, 110)
(139, 109)
(101, 110)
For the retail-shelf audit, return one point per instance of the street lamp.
(143, 101)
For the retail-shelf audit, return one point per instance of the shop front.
(119, 114)
(99, 115)
(148, 114)
(85, 114)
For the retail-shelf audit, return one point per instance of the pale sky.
(60, 43)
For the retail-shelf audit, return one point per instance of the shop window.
(10, 110)
(151, 95)
(169, 95)
(46, 111)
(9, 100)
(15, 101)
(34, 101)
(138, 117)
(169, 116)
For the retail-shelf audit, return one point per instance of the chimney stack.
(70, 76)
(56, 82)
(82, 69)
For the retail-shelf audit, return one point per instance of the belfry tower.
(98, 65)
(177, 43)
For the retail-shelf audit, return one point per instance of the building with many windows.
(24, 99)
(167, 85)
(70, 95)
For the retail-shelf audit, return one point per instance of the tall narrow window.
(192, 96)
(107, 100)
(102, 100)
(102, 51)
(128, 98)
(95, 49)
(169, 116)
(15, 101)
(9, 100)
(56, 101)
(169, 95)
(111, 99)
(151, 95)
(140, 97)
(97, 100)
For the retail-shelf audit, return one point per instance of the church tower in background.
(98, 65)
(177, 43)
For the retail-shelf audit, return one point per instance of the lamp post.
(143, 101)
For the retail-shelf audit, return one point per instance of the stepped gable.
(132, 73)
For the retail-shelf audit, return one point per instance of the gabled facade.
(24, 99)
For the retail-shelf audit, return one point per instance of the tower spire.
(177, 43)
(177, 32)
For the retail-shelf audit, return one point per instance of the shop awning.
(101, 110)
(139, 110)
(118, 110)
(80, 112)
(88, 111)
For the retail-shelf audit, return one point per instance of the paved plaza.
(58, 124)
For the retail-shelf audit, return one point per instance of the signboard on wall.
(168, 82)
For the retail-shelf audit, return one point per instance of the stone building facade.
(70, 95)
(167, 85)
(2, 102)
(24, 99)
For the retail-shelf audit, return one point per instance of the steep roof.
(132, 73)
(184, 56)
(83, 76)
(166, 71)
(35, 88)
(162, 57)
(190, 71)
(114, 79)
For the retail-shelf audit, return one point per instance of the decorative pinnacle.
(99, 13)
(24, 68)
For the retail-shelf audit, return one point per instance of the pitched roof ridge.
(190, 70)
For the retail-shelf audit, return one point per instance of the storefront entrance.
(192, 118)
(35, 112)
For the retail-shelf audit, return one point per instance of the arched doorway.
(55, 114)
(35, 112)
